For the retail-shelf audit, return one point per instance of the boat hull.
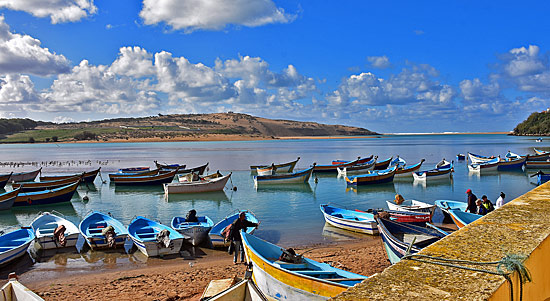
(433, 174)
(58, 195)
(413, 206)
(87, 177)
(408, 171)
(161, 178)
(375, 177)
(143, 233)
(361, 227)
(24, 176)
(216, 184)
(91, 229)
(537, 165)
(7, 199)
(298, 177)
(511, 164)
(281, 168)
(152, 248)
(44, 226)
(11, 248)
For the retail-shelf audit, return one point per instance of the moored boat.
(350, 220)
(412, 205)
(208, 185)
(134, 174)
(44, 197)
(14, 244)
(361, 161)
(24, 176)
(8, 198)
(412, 217)
(358, 168)
(154, 239)
(4, 180)
(194, 232)
(290, 178)
(133, 169)
(539, 155)
(282, 167)
(443, 170)
(398, 238)
(460, 157)
(384, 164)
(333, 168)
(372, 177)
(45, 226)
(511, 163)
(45, 185)
(198, 170)
(446, 205)
(537, 164)
(475, 159)
(170, 166)
(215, 233)
(406, 172)
(87, 177)
(486, 166)
(462, 218)
(94, 228)
(299, 279)
(160, 178)
(266, 171)
(15, 291)
(193, 177)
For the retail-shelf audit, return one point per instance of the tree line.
(536, 124)
(10, 126)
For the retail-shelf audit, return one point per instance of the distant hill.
(215, 126)
(537, 124)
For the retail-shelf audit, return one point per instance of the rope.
(510, 262)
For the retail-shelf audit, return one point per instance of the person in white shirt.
(500, 200)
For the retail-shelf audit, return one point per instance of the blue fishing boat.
(134, 174)
(399, 237)
(462, 218)
(373, 177)
(215, 233)
(511, 163)
(194, 232)
(285, 275)
(407, 171)
(154, 239)
(490, 165)
(8, 198)
(14, 244)
(383, 164)
(446, 205)
(351, 220)
(442, 170)
(94, 227)
(290, 178)
(45, 185)
(460, 157)
(45, 197)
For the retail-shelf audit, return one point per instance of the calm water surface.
(289, 215)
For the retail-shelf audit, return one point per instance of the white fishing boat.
(151, 239)
(14, 244)
(93, 228)
(215, 184)
(44, 226)
(15, 291)
(442, 170)
(491, 165)
(357, 169)
(289, 178)
(215, 234)
(350, 220)
(412, 205)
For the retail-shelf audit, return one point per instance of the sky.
(388, 66)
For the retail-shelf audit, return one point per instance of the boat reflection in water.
(216, 196)
(434, 183)
(376, 188)
(275, 189)
(138, 190)
(338, 234)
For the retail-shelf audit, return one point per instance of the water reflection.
(434, 183)
(385, 188)
(141, 190)
(299, 187)
(338, 234)
(216, 196)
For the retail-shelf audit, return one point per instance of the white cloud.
(523, 61)
(475, 90)
(191, 15)
(59, 11)
(63, 119)
(24, 54)
(381, 62)
(133, 61)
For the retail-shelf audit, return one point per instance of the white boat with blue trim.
(194, 232)
(216, 232)
(351, 220)
(44, 226)
(14, 244)
(290, 178)
(146, 235)
(92, 228)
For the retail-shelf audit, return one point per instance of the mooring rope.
(511, 262)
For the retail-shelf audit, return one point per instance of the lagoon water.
(289, 215)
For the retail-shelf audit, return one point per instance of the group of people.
(484, 205)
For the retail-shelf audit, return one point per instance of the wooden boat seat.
(290, 266)
(315, 273)
(346, 216)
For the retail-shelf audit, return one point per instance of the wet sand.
(184, 278)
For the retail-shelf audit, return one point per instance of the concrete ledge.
(521, 227)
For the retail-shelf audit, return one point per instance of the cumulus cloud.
(525, 68)
(475, 90)
(191, 15)
(24, 54)
(59, 11)
(381, 62)
(133, 61)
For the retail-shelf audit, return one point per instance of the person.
(500, 200)
(399, 199)
(191, 216)
(480, 209)
(235, 235)
(487, 204)
(472, 208)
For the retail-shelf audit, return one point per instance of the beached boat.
(446, 205)
(486, 166)
(281, 168)
(160, 178)
(24, 176)
(266, 171)
(14, 244)
(537, 164)
(151, 239)
(299, 279)
(462, 218)
(384, 164)
(133, 169)
(351, 220)
(406, 172)
(194, 232)
(44, 197)
(372, 177)
(511, 163)
(8, 198)
(15, 291)
(333, 168)
(412, 217)
(243, 290)
(361, 161)
(45, 185)
(412, 205)
(134, 174)
(92, 229)
(208, 185)
(460, 157)
(44, 226)
(357, 169)
(442, 170)
(87, 177)
(4, 179)
(290, 178)
(398, 238)
(215, 233)
(198, 170)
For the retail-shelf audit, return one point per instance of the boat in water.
(289, 178)
(95, 227)
(350, 220)
(486, 166)
(407, 171)
(462, 218)
(45, 185)
(383, 164)
(206, 185)
(14, 244)
(160, 178)
(24, 176)
(372, 177)
(154, 239)
(358, 168)
(7, 199)
(46, 197)
(413, 206)
(281, 168)
(442, 171)
(87, 176)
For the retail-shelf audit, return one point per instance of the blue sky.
(394, 66)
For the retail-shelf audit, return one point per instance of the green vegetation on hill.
(537, 124)
(9, 126)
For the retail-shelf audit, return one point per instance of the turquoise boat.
(14, 244)
(92, 226)
(145, 235)
(194, 232)
(446, 205)
(350, 220)
(216, 232)
(462, 218)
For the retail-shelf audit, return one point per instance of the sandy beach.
(183, 279)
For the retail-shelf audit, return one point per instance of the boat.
(462, 218)
(443, 170)
(333, 168)
(266, 171)
(281, 168)
(460, 157)
(490, 165)
(538, 140)
(215, 233)
(170, 166)
(406, 172)
(57, 195)
(412, 205)
(133, 169)
(384, 164)
(198, 170)
(540, 155)
(402, 238)
(194, 232)
(446, 205)
(233, 290)
(290, 178)
(216, 184)
(511, 163)
(160, 178)
(541, 177)
(399, 162)
(357, 169)
(45, 185)
(510, 155)
(135, 174)
(361, 161)
(44, 226)
(351, 220)
(87, 177)
(15, 291)
(14, 244)
(4, 179)
(372, 177)
(476, 159)
(147, 235)
(25, 176)
(412, 217)
(537, 164)
(92, 229)
(8, 198)
(193, 177)
(299, 279)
